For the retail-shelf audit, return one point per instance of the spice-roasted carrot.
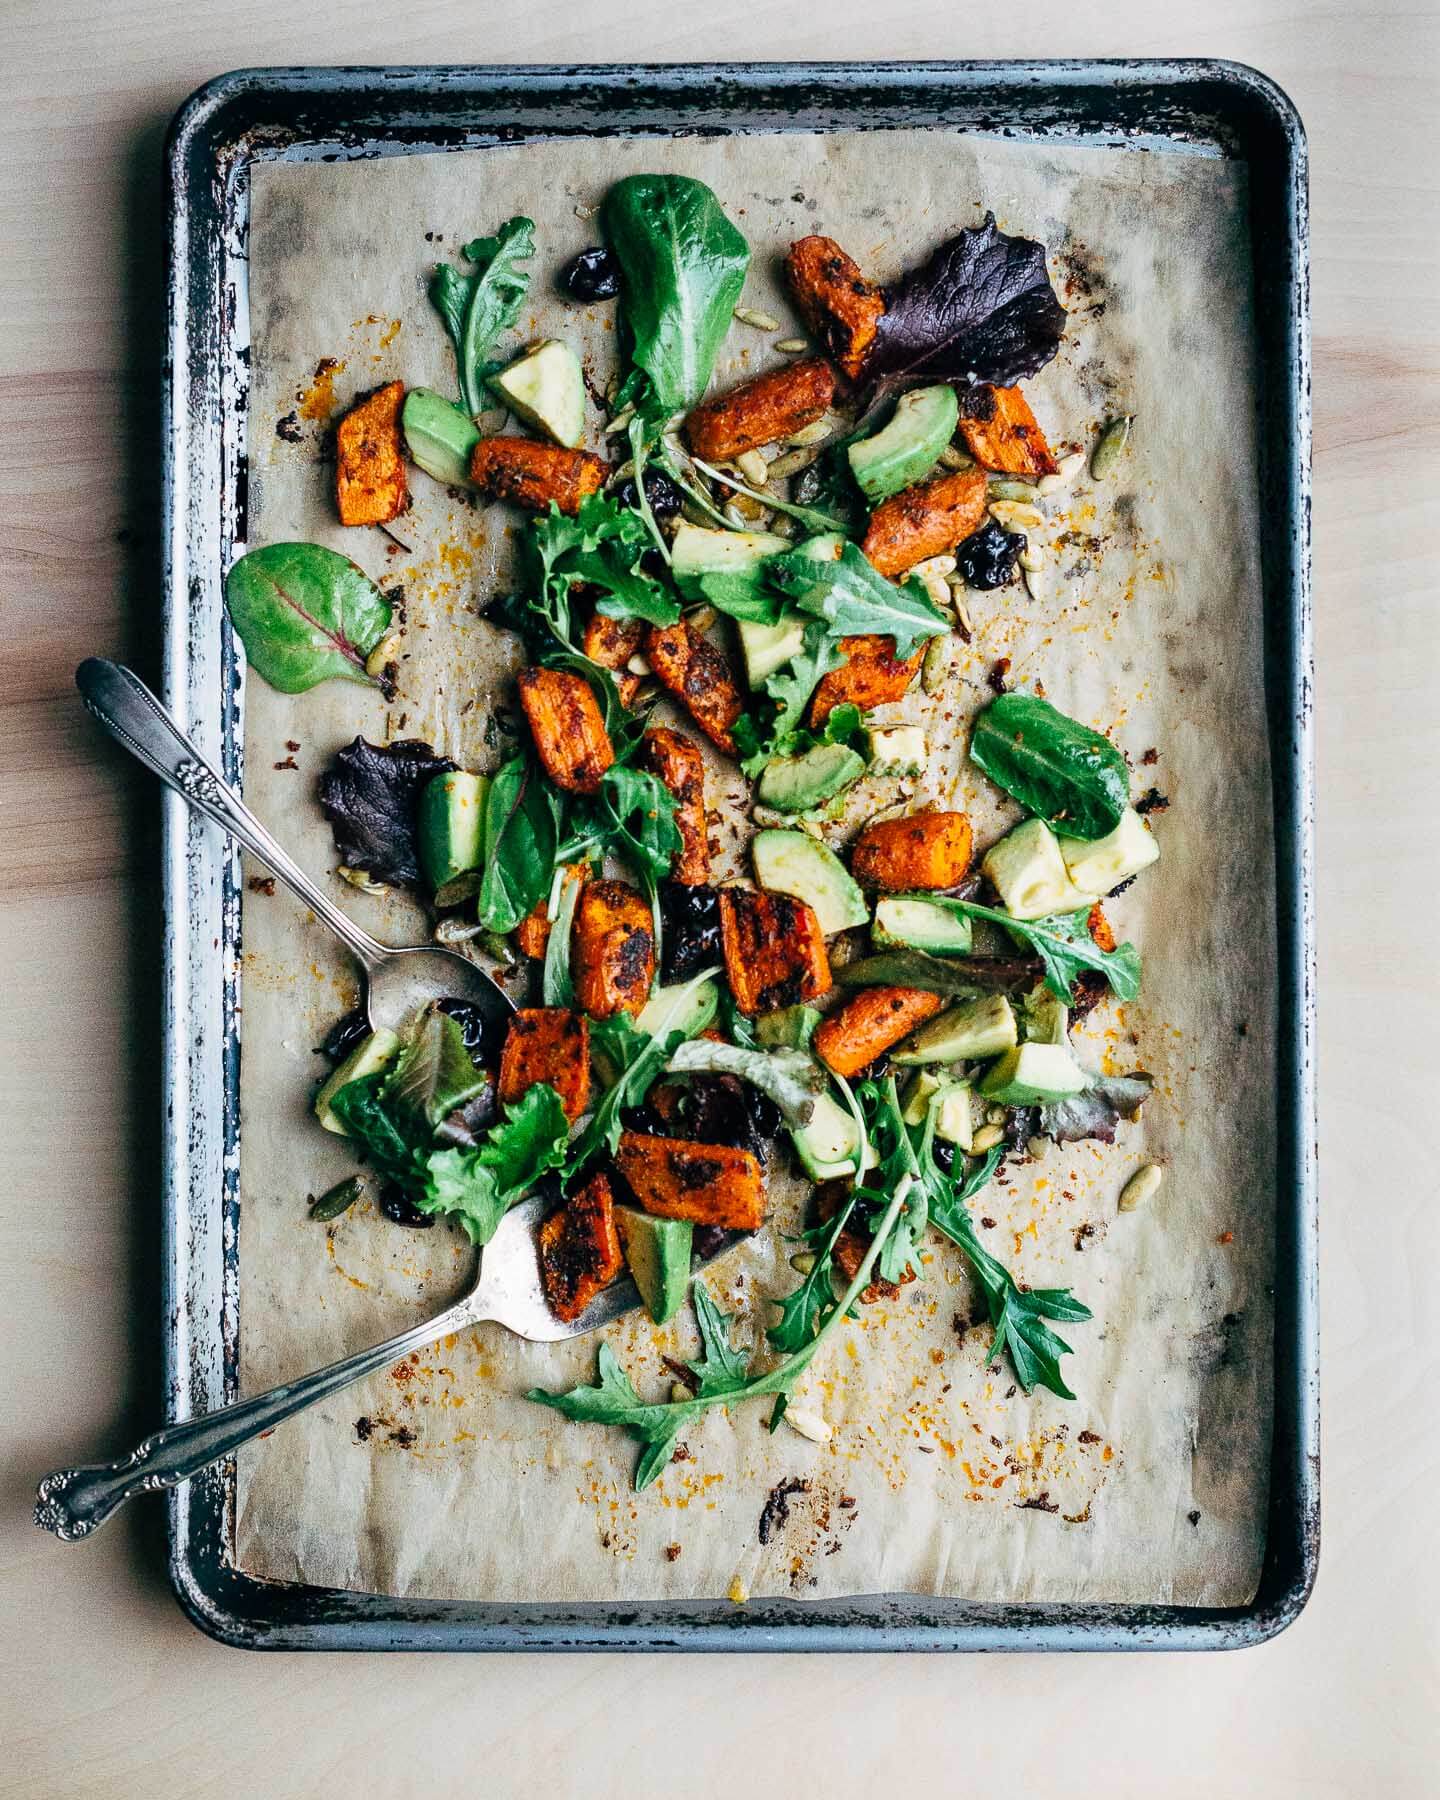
(532, 934)
(611, 643)
(761, 411)
(713, 1184)
(1002, 433)
(926, 850)
(528, 473)
(837, 303)
(612, 949)
(1102, 932)
(580, 1249)
(548, 1043)
(871, 675)
(696, 672)
(676, 762)
(925, 520)
(774, 949)
(867, 1026)
(370, 460)
(569, 732)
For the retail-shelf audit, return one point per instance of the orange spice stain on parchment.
(317, 400)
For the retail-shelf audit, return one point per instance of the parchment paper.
(439, 1479)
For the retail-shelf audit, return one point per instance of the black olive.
(691, 917)
(988, 557)
(400, 1209)
(483, 1038)
(593, 275)
(664, 496)
(344, 1035)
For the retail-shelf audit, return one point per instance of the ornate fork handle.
(71, 1503)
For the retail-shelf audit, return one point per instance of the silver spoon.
(398, 979)
(506, 1291)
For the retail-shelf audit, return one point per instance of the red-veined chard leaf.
(304, 614)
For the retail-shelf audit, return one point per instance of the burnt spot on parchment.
(803, 1522)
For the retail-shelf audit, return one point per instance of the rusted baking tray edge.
(345, 114)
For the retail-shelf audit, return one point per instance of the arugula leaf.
(897, 1162)
(789, 1077)
(398, 1152)
(742, 595)
(684, 267)
(1060, 770)
(433, 1074)
(631, 814)
(305, 614)
(855, 599)
(957, 975)
(1065, 947)
(603, 545)
(789, 690)
(476, 308)
(722, 1369)
(800, 1309)
(557, 987)
(810, 517)
(478, 1187)
(522, 821)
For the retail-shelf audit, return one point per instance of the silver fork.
(506, 1291)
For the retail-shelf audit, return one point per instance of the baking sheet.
(439, 1479)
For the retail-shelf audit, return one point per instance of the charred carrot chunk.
(676, 763)
(611, 643)
(570, 736)
(528, 473)
(927, 850)
(532, 934)
(867, 1026)
(925, 520)
(837, 303)
(612, 949)
(761, 411)
(1102, 932)
(370, 459)
(774, 949)
(698, 675)
(1002, 433)
(851, 1245)
(580, 1249)
(871, 675)
(713, 1184)
(548, 1043)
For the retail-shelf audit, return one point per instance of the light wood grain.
(106, 1690)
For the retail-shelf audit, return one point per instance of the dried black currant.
(400, 1209)
(345, 1034)
(664, 497)
(483, 1037)
(691, 941)
(593, 275)
(989, 556)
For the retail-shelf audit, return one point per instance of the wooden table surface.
(107, 1691)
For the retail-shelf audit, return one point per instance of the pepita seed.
(751, 315)
(753, 466)
(1066, 471)
(362, 879)
(784, 526)
(1113, 440)
(803, 1261)
(679, 1391)
(620, 421)
(1006, 488)
(808, 1424)
(637, 665)
(815, 432)
(953, 457)
(936, 587)
(751, 511)
(1031, 557)
(1036, 583)
(1017, 515)
(701, 619)
(1142, 1186)
(455, 931)
(936, 666)
(792, 462)
(498, 945)
(734, 516)
(792, 346)
(994, 1115)
(338, 1199)
(584, 212)
(986, 1138)
(1037, 1146)
(384, 652)
(935, 565)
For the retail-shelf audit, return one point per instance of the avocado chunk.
(1034, 1074)
(919, 1092)
(679, 1007)
(438, 436)
(546, 388)
(1029, 873)
(828, 1145)
(1098, 867)
(767, 648)
(896, 750)
(906, 450)
(369, 1057)
(922, 923)
(954, 1116)
(973, 1029)
(1044, 1018)
(658, 1252)
(697, 551)
(448, 831)
(790, 862)
(796, 783)
(791, 1028)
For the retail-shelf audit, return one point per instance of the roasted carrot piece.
(611, 643)
(532, 934)
(676, 762)
(1002, 433)
(548, 1043)
(370, 460)
(580, 1249)
(699, 677)
(774, 949)
(925, 520)
(713, 1184)
(926, 850)
(570, 736)
(612, 949)
(851, 1245)
(528, 473)
(868, 1025)
(1102, 932)
(871, 675)
(837, 303)
(762, 410)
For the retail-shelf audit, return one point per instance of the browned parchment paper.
(439, 1479)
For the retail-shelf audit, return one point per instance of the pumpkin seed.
(679, 1391)
(792, 346)
(701, 619)
(1037, 583)
(1017, 516)
(934, 584)
(1031, 557)
(751, 511)
(384, 652)
(496, 944)
(1008, 489)
(803, 1261)
(792, 462)
(1113, 440)
(753, 466)
(751, 315)
(620, 421)
(338, 1199)
(935, 565)
(584, 212)
(362, 879)
(456, 931)
(986, 1138)
(936, 666)
(815, 432)
(1065, 472)
(808, 1424)
(994, 1115)
(637, 665)
(784, 526)
(1142, 1186)
(953, 457)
